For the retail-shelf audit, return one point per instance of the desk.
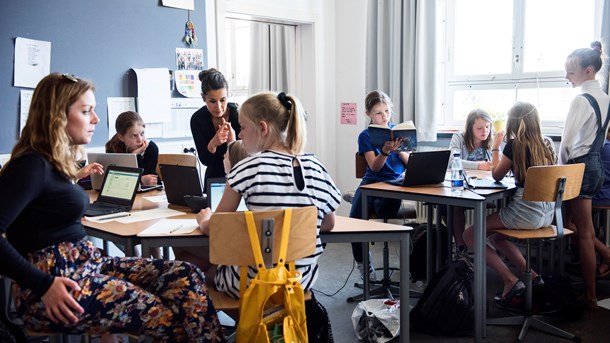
(126, 234)
(346, 230)
(441, 194)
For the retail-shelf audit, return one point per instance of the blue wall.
(99, 40)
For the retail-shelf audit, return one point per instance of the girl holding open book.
(382, 164)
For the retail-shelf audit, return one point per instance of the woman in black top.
(130, 138)
(63, 283)
(215, 124)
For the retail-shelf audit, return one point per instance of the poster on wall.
(187, 83)
(189, 59)
(349, 111)
(32, 61)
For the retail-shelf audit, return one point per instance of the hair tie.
(284, 101)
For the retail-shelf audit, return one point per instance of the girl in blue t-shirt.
(382, 164)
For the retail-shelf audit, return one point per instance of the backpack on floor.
(446, 308)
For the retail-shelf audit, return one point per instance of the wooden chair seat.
(542, 233)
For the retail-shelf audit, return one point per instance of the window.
(498, 52)
(238, 56)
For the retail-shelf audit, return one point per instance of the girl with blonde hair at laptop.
(525, 147)
(62, 282)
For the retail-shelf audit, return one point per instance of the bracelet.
(383, 153)
(495, 150)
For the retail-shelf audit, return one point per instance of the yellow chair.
(553, 184)
(230, 244)
(176, 159)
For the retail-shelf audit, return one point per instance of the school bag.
(274, 300)
(446, 308)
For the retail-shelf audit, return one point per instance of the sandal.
(606, 273)
(507, 300)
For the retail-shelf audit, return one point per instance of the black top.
(149, 160)
(39, 207)
(203, 130)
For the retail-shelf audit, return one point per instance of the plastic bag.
(377, 320)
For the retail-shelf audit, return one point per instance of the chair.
(388, 288)
(176, 159)
(552, 184)
(230, 244)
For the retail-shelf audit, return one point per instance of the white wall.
(350, 33)
(339, 46)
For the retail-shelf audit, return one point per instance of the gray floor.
(336, 266)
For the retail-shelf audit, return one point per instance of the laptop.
(118, 191)
(486, 183)
(214, 188)
(180, 181)
(425, 168)
(106, 160)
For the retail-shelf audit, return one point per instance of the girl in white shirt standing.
(581, 142)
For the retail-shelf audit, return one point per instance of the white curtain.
(605, 39)
(272, 57)
(401, 60)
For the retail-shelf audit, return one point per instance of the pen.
(172, 230)
(116, 216)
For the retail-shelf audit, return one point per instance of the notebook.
(118, 191)
(214, 188)
(108, 159)
(425, 168)
(180, 181)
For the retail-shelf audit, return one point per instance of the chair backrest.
(360, 165)
(230, 244)
(541, 183)
(176, 159)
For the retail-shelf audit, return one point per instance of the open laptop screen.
(120, 183)
(215, 187)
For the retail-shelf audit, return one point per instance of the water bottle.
(457, 175)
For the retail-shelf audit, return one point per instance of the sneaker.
(372, 275)
(461, 252)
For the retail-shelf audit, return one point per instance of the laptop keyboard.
(100, 208)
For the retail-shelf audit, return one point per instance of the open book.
(380, 134)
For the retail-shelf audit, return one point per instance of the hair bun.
(597, 46)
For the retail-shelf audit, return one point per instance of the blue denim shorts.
(593, 179)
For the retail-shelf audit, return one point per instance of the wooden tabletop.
(140, 203)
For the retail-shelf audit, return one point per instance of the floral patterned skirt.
(164, 300)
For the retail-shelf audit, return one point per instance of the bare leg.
(199, 256)
(493, 260)
(580, 211)
(459, 224)
(508, 249)
(108, 338)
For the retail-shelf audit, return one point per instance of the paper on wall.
(154, 94)
(32, 61)
(25, 98)
(116, 106)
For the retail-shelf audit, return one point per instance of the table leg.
(480, 240)
(429, 241)
(404, 290)
(366, 287)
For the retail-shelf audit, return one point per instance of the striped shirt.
(268, 181)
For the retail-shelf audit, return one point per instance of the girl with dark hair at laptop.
(474, 146)
(215, 124)
(525, 147)
(130, 138)
(381, 165)
(63, 283)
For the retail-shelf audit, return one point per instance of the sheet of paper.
(170, 227)
(156, 198)
(187, 83)
(154, 95)
(108, 217)
(156, 213)
(116, 106)
(605, 303)
(25, 98)
(184, 4)
(32, 61)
